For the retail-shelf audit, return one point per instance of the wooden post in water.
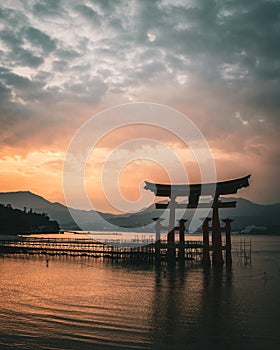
(228, 241)
(217, 257)
(205, 254)
(171, 252)
(182, 230)
(158, 242)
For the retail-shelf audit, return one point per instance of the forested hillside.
(20, 221)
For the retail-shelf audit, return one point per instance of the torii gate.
(194, 191)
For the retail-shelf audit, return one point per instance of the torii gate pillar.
(182, 229)
(217, 257)
(158, 228)
(228, 241)
(171, 250)
(205, 254)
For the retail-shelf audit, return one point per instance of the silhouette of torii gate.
(193, 192)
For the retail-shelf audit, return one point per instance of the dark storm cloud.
(21, 41)
(12, 39)
(40, 39)
(12, 114)
(60, 65)
(219, 41)
(16, 81)
(17, 54)
(228, 49)
(89, 91)
(228, 34)
(11, 17)
(89, 14)
(24, 104)
(47, 8)
(4, 93)
(67, 53)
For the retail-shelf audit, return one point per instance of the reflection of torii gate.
(194, 192)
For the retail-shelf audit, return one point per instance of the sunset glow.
(63, 63)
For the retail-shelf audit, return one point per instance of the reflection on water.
(84, 303)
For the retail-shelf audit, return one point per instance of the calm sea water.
(85, 303)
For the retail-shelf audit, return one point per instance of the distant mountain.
(246, 213)
(23, 199)
(56, 211)
(92, 220)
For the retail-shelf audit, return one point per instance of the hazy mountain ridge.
(55, 210)
(246, 213)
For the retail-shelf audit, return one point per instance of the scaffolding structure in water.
(244, 251)
(192, 250)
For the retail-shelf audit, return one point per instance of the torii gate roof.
(195, 190)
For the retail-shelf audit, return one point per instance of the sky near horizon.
(62, 62)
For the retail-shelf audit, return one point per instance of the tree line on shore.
(14, 221)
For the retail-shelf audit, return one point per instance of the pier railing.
(109, 248)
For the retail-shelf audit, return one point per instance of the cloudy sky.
(61, 62)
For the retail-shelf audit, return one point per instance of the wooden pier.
(192, 250)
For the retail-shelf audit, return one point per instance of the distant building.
(252, 229)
